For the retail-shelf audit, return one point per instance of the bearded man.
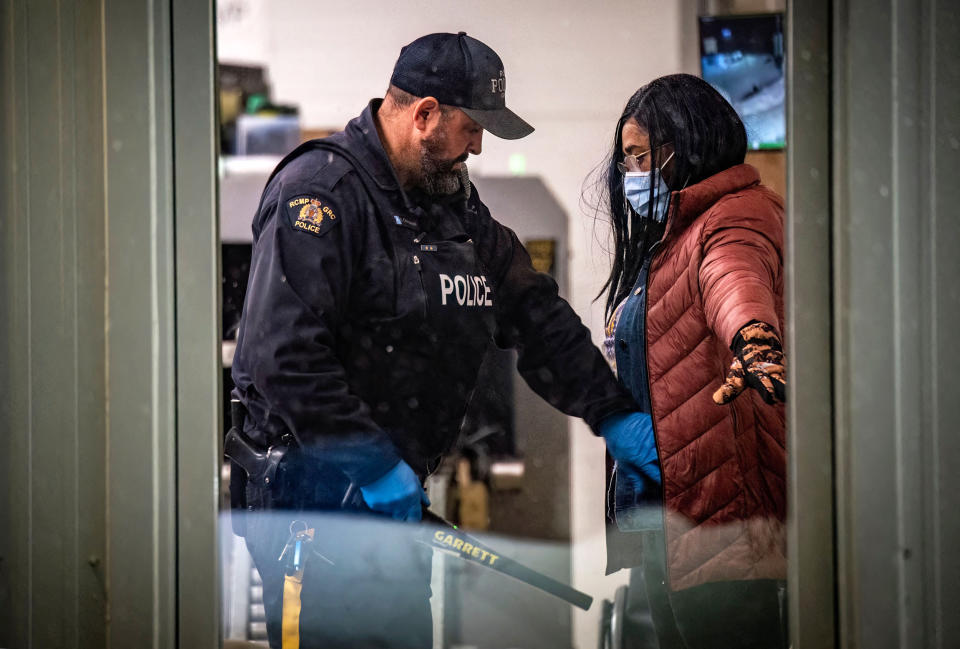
(377, 283)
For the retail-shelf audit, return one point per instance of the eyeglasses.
(635, 162)
(631, 162)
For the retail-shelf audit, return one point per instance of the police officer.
(377, 283)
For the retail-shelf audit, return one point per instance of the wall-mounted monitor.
(742, 57)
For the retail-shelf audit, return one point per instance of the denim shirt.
(630, 342)
(633, 511)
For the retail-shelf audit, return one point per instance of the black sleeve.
(557, 357)
(300, 278)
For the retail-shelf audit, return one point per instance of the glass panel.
(383, 335)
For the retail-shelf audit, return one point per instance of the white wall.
(570, 67)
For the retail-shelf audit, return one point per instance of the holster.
(251, 465)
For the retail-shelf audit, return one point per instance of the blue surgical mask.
(636, 192)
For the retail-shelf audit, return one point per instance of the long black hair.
(707, 137)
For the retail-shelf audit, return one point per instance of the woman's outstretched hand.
(758, 363)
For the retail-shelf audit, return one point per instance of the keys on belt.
(299, 547)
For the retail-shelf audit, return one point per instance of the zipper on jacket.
(736, 426)
(423, 288)
(653, 421)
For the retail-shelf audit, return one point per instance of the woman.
(695, 307)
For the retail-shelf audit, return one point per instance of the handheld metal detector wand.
(445, 537)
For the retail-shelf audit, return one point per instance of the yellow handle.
(292, 585)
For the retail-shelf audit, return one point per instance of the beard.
(437, 175)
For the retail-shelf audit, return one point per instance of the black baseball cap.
(460, 71)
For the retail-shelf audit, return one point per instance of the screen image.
(742, 57)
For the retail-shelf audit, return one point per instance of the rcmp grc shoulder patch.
(310, 214)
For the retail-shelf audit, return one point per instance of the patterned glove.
(757, 363)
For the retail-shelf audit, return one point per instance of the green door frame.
(163, 312)
(141, 355)
(198, 300)
(810, 525)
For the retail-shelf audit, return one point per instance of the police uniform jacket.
(369, 310)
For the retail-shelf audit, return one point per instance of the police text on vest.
(468, 290)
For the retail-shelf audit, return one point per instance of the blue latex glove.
(630, 440)
(398, 493)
